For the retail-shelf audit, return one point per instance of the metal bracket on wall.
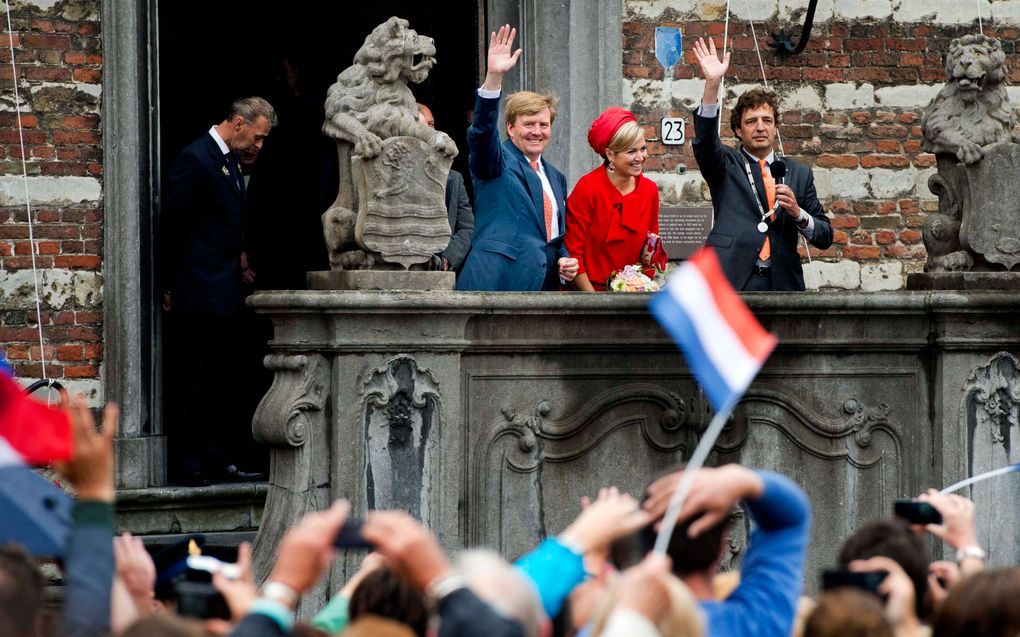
(782, 43)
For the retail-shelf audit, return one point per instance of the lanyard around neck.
(754, 188)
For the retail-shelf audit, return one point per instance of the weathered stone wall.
(852, 103)
(59, 73)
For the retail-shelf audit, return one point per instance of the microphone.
(778, 170)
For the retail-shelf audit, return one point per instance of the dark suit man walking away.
(519, 196)
(203, 242)
(762, 203)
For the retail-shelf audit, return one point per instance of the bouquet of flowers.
(631, 278)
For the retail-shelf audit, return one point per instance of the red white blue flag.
(723, 343)
(33, 512)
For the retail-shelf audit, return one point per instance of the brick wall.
(59, 72)
(852, 103)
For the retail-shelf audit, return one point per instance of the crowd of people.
(598, 576)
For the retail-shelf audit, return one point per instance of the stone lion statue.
(369, 103)
(973, 109)
(969, 114)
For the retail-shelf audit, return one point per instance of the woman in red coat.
(613, 208)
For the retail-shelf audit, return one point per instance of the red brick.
(88, 318)
(93, 352)
(70, 353)
(924, 161)
(46, 41)
(885, 237)
(76, 137)
(46, 73)
(884, 161)
(862, 253)
(840, 237)
(910, 236)
(887, 146)
(87, 76)
(837, 161)
(81, 371)
(82, 261)
(74, 57)
(845, 221)
(17, 351)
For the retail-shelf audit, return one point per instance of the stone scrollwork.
(861, 420)
(816, 434)
(993, 397)
(300, 386)
(402, 417)
(292, 420)
(526, 443)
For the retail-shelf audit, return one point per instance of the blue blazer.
(509, 251)
(204, 218)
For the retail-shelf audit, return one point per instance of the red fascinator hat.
(605, 126)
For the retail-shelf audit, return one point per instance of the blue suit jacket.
(509, 251)
(204, 216)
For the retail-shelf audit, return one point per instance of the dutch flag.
(33, 512)
(723, 343)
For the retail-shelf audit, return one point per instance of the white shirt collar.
(768, 160)
(219, 140)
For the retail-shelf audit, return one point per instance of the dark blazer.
(735, 235)
(462, 613)
(204, 218)
(509, 250)
(462, 220)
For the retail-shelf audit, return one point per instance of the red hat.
(606, 125)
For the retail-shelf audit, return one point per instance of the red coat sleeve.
(579, 211)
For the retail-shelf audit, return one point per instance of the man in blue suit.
(519, 197)
(203, 247)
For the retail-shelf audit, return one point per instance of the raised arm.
(712, 68)
(501, 57)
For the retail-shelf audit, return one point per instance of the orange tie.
(770, 196)
(547, 205)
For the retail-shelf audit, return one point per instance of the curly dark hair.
(751, 99)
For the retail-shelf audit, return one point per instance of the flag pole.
(697, 461)
(980, 478)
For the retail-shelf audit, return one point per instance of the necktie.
(770, 196)
(546, 206)
(235, 170)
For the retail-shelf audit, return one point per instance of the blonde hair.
(503, 587)
(626, 137)
(683, 619)
(528, 103)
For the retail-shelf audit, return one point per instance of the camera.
(350, 536)
(916, 512)
(196, 595)
(864, 580)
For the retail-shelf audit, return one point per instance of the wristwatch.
(973, 551)
(280, 592)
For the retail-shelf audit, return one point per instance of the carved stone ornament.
(292, 420)
(401, 194)
(992, 399)
(969, 126)
(391, 211)
(402, 418)
(300, 386)
(849, 437)
(524, 455)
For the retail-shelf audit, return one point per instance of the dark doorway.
(212, 52)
